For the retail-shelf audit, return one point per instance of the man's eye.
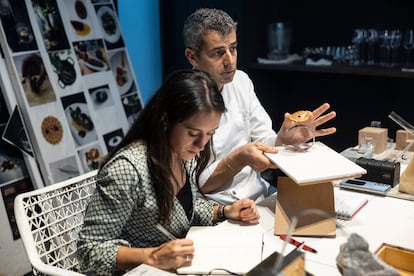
(193, 134)
(218, 53)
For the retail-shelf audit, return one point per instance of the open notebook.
(219, 248)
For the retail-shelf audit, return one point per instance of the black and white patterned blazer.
(123, 211)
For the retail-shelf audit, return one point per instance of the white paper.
(319, 163)
(236, 249)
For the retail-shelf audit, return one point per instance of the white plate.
(89, 135)
(102, 65)
(116, 60)
(131, 100)
(114, 141)
(112, 38)
(86, 165)
(100, 90)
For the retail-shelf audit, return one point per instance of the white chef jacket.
(244, 121)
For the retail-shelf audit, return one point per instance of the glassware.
(301, 131)
(384, 48)
(396, 38)
(408, 44)
(279, 38)
(359, 40)
(372, 41)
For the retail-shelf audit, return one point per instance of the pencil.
(165, 232)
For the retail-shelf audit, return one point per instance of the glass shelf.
(337, 69)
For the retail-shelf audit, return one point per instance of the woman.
(151, 179)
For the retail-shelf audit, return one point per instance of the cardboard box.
(402, 259)
(377, 135)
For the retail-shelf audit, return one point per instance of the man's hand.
(252, 154)
(287, 137)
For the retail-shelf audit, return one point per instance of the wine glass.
(396, 40)
(359, 40)
(408, 45)
(384, 47)
(372, 40)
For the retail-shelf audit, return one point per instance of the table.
(383, 220)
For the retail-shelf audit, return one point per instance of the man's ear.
(191, 56)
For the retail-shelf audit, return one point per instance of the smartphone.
(365, 185)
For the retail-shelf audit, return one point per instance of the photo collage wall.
(72, 78)
(14, 177)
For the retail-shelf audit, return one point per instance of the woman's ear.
(191, 56)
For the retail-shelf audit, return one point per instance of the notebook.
(220, 249)
(347, 204)
(320, 163)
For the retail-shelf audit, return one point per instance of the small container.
(402, 259)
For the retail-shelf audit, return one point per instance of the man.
(245, 130)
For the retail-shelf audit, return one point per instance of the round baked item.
(52, 130)
(302, 117)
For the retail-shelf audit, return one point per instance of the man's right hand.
(252, 154)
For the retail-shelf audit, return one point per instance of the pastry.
(302, 117)
(52, 130)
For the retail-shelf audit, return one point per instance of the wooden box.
(403, 138)
(402, 259)
(377, 135)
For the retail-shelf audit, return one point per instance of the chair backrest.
(49, 220)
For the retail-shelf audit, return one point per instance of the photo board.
(72, 79)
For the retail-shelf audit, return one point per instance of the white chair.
(49, 220)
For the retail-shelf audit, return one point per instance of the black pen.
(261, 256)
(165, 232)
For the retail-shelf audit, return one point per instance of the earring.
(164, 122)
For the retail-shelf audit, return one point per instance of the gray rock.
(355, 259)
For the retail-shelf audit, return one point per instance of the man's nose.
(228, 57)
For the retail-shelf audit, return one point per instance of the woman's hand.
(172, 254)
(244, 210)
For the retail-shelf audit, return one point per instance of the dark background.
(358, 95)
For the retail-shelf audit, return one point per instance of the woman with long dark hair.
(151, 179)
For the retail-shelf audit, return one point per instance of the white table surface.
(383, 220)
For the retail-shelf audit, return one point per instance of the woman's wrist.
(227, 163)
(226, 211)
(220, 214)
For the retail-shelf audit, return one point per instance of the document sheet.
(220, 249)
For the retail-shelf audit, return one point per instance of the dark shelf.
(337, 69)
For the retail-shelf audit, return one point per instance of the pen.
(261, 255)
(165, 232)
(298, 244)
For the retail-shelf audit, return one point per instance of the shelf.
(337, 69)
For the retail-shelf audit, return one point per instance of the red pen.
(298, 243)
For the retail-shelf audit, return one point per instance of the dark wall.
(173, 15)
(357, 98)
